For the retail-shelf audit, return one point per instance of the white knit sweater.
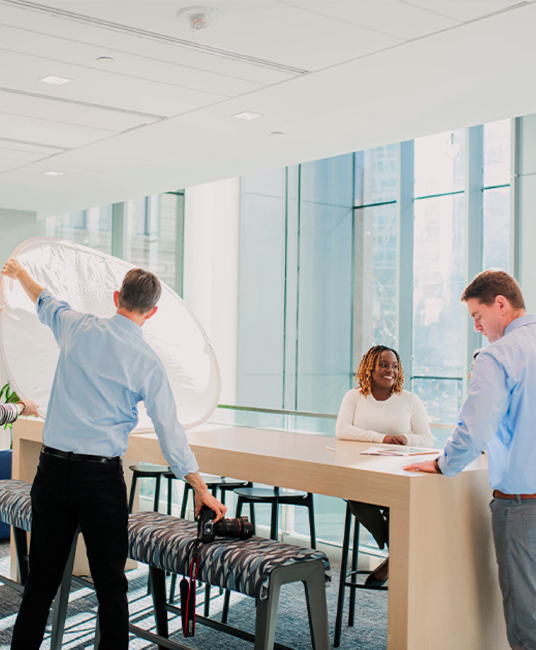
(368, 420)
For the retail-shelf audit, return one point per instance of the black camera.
(207, 530)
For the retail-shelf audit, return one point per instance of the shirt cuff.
(44, 294)
(190, 467)
(443, 466)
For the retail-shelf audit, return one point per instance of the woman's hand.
(395, 440)
(30, 407)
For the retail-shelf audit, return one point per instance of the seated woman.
(380, 411)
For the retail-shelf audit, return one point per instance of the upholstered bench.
(16, 510)
(256, 567)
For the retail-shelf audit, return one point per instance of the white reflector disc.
(86, 279)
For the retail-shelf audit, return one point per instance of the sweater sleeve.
(8, 413)
(345, 429)
(420, 434)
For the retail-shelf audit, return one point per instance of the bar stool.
(276, 497)
(348, 579)
(147, 471)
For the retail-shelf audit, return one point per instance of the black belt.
(88, 458)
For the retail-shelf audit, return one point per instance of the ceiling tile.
(65, 136)
(386, 16)
(19, 156)
(69, 112)
(22, 72)
(463, 10)
(41, 151)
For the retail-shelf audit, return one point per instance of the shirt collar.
(527, 319)
(127, 324)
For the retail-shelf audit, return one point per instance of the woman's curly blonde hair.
(368, 364)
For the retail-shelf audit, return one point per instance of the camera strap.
(187, 590)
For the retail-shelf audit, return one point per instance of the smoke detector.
(199, 17)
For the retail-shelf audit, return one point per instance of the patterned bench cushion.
(15, 503)
(240, 565)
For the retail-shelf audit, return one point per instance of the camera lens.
(239, 528)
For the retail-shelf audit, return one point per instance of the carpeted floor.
(368, 633)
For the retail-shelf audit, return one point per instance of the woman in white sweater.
(380, 411)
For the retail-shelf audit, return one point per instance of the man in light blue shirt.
(104, 369)
(499, 415)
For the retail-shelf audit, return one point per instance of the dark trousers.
(66, 494)
(514, 534)
(374, 518)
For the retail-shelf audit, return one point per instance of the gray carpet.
(368, 633)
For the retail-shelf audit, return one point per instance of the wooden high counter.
(443, 585)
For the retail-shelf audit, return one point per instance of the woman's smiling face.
(386, 372)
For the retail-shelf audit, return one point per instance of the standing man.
(104, 369)
(500, 415)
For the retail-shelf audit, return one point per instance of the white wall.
(211, 270)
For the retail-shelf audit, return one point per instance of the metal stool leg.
(311, 509)
(274, 525)
(225, 608)
(59, 607)
(132, 492)
(157, 494)
(184, 504)
(342, 576)
(353, 577)
(169, 495)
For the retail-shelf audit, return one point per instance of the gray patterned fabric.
(15, 503)
(240, 565)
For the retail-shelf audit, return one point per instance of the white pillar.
(211, 270)
(524, 209)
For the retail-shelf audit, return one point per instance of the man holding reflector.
(104, 369)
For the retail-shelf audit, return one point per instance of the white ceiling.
(332, 75)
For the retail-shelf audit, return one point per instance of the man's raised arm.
(14, 269)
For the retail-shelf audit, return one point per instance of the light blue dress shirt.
(500, 412)
(104, 369)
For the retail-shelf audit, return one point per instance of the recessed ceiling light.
(105, 59)
(52, 172)
(277, 133)
(246, 115)
(56, 81)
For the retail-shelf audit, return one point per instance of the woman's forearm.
(9, 413)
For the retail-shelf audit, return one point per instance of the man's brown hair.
(140, 291)
(492, 283)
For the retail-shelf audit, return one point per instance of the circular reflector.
(87, 279)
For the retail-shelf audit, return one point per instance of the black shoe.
(372, 581)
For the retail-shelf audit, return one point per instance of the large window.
(497, 157)
(149, 233)
(438, 319)
(91, 227)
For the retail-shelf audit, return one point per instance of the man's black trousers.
(68, 493)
